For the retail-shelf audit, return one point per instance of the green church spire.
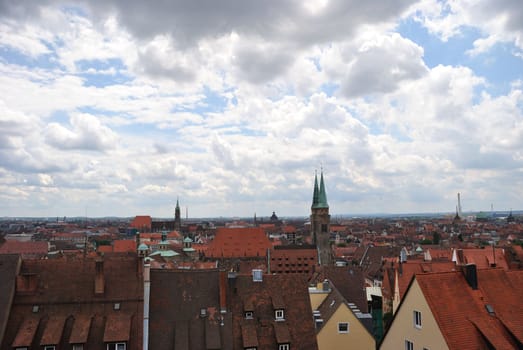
(316, 194)
(322, 203)
(319, 197)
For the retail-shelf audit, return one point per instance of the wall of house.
(357, 338)
(317, 296)
(428, 336)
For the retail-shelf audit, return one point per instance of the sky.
(123, 107)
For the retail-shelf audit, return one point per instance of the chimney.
(326, 286)
(471, 275)
(138, 241)
(26, 283)
(99, 279)
(146, 298)
(223, 292)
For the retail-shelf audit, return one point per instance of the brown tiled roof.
(185, 293)
(9, 267)
(26, 332)
(348, 280)
(249, 335)
(53, 330)
(80, 329)
(293, 291)
(63, 306)
(281, 330)
(117, 328)
(238, 242)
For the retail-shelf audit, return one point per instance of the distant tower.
(177, 217)
(320, 221)
(459, 213)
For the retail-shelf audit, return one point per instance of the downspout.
(146, 294)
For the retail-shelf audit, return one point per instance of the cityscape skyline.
(119, 108)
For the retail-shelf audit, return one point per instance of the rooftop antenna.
(459, 205)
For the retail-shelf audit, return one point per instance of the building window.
(283, 347)
(249, 315)
(417, 319)
(49, 347)
(409, 345)
(343, 327)
(278, 314)
(78, 347)
(116, 346)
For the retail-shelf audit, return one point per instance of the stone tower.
(320, 222)
(177, 217)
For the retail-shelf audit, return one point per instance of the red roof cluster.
(238, 242)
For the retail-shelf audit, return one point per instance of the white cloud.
(231, 107)
(86, 133)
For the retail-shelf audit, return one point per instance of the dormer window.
(249, 315)
(283, 347)
(116, 346)
(279, 315)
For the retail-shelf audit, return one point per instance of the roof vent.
(318, 323)
(490, 309)
(257, 275)
(326, 286)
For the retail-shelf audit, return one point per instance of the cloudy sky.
(119, 107)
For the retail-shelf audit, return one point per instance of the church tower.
(177, 217)
(320, 221)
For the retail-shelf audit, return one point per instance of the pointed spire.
(316, 194)
(323, 195)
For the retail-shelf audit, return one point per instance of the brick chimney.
(471, 275)
(99, 278)
(26, 283)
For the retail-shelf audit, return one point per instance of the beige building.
(414, 324)
(339, 324)
(466, 309)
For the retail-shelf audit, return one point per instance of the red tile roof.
(483, 258)
(281, 291)
(238, 242)
(124, 245)
(461, 312)
(26, 249)
(142, 222)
